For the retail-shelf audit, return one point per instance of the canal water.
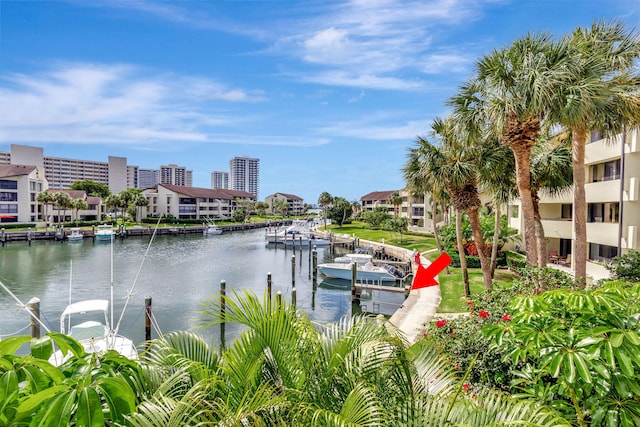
(178, 272)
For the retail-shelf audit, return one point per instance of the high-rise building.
(148, 178)
(62, 172)
(220, 179)
(176, 175)
(243, 174)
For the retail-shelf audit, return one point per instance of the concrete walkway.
(414, 316)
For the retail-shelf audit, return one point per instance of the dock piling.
(147, 318)
(34, 306)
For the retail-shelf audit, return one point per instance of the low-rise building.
(193, 202)
(19, 187)
(94, 211)
(412, 207)
(295, 203)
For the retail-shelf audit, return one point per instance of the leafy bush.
(626, 267)
(472, 261)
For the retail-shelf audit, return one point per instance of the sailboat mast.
(111, 303)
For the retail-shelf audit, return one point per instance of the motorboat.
(75, 236)
(308, 241)
(299, 227)
(367, 272)
(104, 233)
(212, 230)
(94, 333)
(359, 258)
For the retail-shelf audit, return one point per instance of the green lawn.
(419, 241)
(452, 288)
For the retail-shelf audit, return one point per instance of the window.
(32, 185)
(567, 211)
(596, 135)
(602, 253)
(606, 171)
(8, 208)
(6, 184)
(603, 212)
(186, 201)
(186, 209)
(6, 196)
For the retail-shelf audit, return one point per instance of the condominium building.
(19, 187)
(220, 179)
(62, 172)
(295, 203)
(613, 204)
(192, 202)
(243, 174)
(412, 207)
(175, 175)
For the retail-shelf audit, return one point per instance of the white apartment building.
(192, 202)
(414, 208)
(296, 205)
(613, 204)
(175, 175)
(243, 174)
(62, 172)
(19, 187)
(220, 179)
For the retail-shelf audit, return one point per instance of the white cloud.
(373, 128)
(117, 104)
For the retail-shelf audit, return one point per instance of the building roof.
(378, 195)
(94, 200)
(210, 193)
(288, 196)
(74, 194)
(15, 170)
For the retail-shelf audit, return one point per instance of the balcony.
(558, 228)
(603, 233)
(603, 149)
(604, 191)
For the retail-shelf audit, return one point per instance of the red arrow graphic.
(427, 276)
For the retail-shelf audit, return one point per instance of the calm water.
(179, 273)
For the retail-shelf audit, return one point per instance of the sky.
(329, 95)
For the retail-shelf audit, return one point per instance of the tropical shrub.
(626, 267)
(577, 351)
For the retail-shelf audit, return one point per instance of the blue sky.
(328, 94)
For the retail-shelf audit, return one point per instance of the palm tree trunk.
(463, 259)
(523, 181)
(434, 222)
(541, 241)
(496, 237)
(578, 141)
(474, 220)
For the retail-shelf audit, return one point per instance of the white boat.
(104, 233)
(357, 257)
(364, 272)
(96, 336)
(305, 241)
(212, 230)
(75, 235)
(299, 227)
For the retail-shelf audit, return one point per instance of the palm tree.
(325, 201)
(551, 171)
(78, 205)
(458, 166)
(112, 202)
(140, 201)
(281, 206)
(509, 94)
(419, 183)
(63, 201)
(396, 200)
(45, 197)
(601, 94)
(354, 372)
